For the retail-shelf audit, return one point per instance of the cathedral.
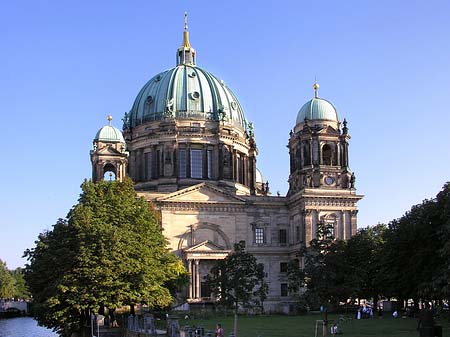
(192, 153)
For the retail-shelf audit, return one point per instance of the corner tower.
(321, 183)
(109, 155)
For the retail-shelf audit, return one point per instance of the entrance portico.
(200, 259)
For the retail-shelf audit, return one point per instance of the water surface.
(23, 327)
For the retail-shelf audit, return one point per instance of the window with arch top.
(327, 155)
(109, 172)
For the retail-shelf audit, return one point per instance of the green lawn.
(304, 326)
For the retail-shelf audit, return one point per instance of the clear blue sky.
(65, 65)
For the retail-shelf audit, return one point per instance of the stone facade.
(194, 158)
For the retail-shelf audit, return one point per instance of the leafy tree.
(20, 286)
(6, 282)
(325, 270)
(415, 259)
(109, 251)
(409, 258)
(440, 283)
(236, 280)
(363, 257)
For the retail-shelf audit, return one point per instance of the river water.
(23, 327)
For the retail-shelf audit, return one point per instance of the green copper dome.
(110, 134)
(186, 92)
(317, 109)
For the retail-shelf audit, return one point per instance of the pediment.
(203, 192)
(107, 150)
(205, 246)
(328, 130)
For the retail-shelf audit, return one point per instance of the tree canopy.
(238, 280)
(407, 259)
(109, 251)
(7, 287)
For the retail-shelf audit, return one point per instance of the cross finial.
(316, 89)
(109, 118)
(185, 21)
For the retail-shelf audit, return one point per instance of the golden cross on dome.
(316, 89)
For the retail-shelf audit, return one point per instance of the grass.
(304, 326)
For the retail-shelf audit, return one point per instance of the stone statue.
(126, 121)
(251, 130)
(352, 180)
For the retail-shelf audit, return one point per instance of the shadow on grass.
(304, 326)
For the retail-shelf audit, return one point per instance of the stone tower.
(109, 157)
(321, 184)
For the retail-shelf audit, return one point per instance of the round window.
(195, 95)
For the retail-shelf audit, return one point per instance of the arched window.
(297, 160)
(327, 155)
(306, 154)
(109, 172)
(330, 221)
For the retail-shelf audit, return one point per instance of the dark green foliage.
(408, 259)
(109, 251)
(415, 261)
(363, 257)
(325, 269)
(238, 279)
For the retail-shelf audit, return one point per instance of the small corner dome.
(109, 134)
(259, 177)
(317, 109)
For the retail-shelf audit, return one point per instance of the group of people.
(364, 312)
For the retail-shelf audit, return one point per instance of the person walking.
(219, 330)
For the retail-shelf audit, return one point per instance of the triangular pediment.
(107, 150)
(203, 192)
(328, 130)
(205, 246)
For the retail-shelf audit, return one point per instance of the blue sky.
(65, 65)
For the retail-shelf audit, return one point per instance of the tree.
(109, 251)
(20, 287)
(6, 282)
(325, 271)
(363, 257)
(440, 281)
(238, 280)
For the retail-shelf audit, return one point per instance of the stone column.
(220, 161)
(188, 160)
(191, 280)
(344, 225)
(353, 222)
(314, 222)
(233, 166)
(252, 172)
(205, 161)
(341, 229)
(197, 278)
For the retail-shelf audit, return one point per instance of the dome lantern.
(186, 54)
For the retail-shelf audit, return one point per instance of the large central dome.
(186, 92)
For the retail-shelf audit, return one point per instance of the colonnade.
(194, 279)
